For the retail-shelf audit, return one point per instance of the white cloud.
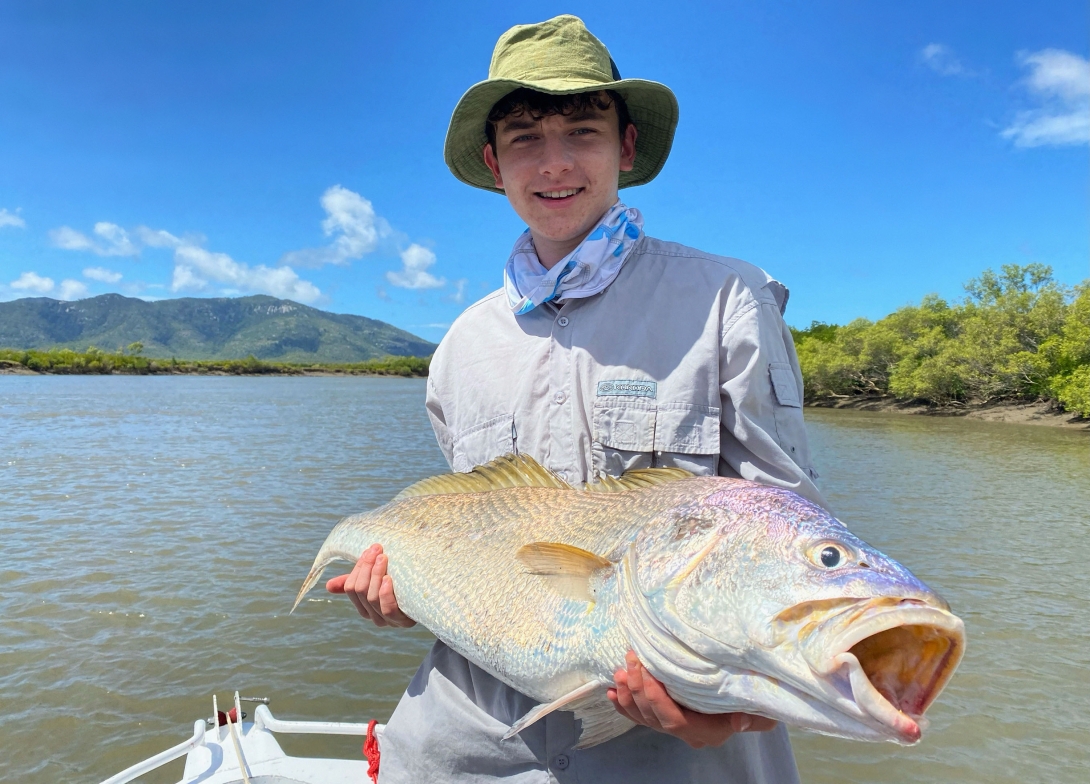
(184, 279)
(1060, 82)
(69, 239)
(352, 222)
(414, 274)
(458, 296)
(11, 219)
(941, 59)
(195, 267)
(31, 281)
(72, 289)
(110, 240)
(156, 238)
(101, 274)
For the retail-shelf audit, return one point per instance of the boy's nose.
(556, 158)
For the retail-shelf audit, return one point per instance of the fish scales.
(736, 596)
(485, 606)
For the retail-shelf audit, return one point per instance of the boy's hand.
(372, 590)
(644, 700)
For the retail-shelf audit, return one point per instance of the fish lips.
(897, 655)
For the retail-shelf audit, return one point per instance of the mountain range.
(201, 328)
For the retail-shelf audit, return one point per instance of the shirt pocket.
(687, 436)
(481, 443)
(787, 411)
(636, 434)
(784, 386)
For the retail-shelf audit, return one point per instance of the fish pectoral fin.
(567, 568)
(601, 721)
(570, 701)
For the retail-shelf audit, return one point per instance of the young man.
(606, 350)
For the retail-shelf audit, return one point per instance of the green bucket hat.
(558, 57)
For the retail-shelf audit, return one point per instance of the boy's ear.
(493, 164)
(628, 147)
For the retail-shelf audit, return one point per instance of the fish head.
(759, 600)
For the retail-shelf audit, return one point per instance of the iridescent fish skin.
(737, 596)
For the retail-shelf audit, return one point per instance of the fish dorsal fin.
(506, 471)
(565, 567)
(634, 480)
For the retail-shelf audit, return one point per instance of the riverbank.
(64, 362)
(1012, 412)
(320, 372)
(1018, 335)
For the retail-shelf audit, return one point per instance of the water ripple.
(155, 530)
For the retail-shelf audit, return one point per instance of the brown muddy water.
(153, 532)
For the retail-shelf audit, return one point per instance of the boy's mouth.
(559, 196)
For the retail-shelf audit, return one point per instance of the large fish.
(736, 596)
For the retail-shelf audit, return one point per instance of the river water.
(153, 532)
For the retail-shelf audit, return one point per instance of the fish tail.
(324, 559)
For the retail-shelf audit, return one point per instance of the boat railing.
(263, 720)
(162, 758)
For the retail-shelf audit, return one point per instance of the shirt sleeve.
(439, 423)
(763, 437)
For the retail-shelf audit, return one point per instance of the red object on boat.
(370, 750)
(221, 717)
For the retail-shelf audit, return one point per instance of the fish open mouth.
(898, 658)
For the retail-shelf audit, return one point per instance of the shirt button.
(561, 762)
(559, 397)
(562, 321)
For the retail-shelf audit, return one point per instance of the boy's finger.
(621, 697)
(363, 608)
(336, 584)
(667, 711)
(377, 573)
(387, 603)
(635, 685)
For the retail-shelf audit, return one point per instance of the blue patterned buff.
(584, 272)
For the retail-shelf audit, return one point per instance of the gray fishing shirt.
(684, 360)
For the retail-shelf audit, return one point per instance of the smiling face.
(560, 172)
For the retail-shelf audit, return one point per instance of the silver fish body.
(736, 596)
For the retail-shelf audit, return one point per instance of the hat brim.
(651, 105)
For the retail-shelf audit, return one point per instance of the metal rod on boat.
(238, 747)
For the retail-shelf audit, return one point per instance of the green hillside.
(198, 328)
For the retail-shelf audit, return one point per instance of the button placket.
(560, 394)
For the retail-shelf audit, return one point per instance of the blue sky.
(864, 153)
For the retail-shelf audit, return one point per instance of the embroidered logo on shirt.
(628, 387)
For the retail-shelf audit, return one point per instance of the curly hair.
(538, 105)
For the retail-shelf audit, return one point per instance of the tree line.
(1017, 335)
(93, 361)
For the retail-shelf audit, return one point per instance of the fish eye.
(829, 555)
